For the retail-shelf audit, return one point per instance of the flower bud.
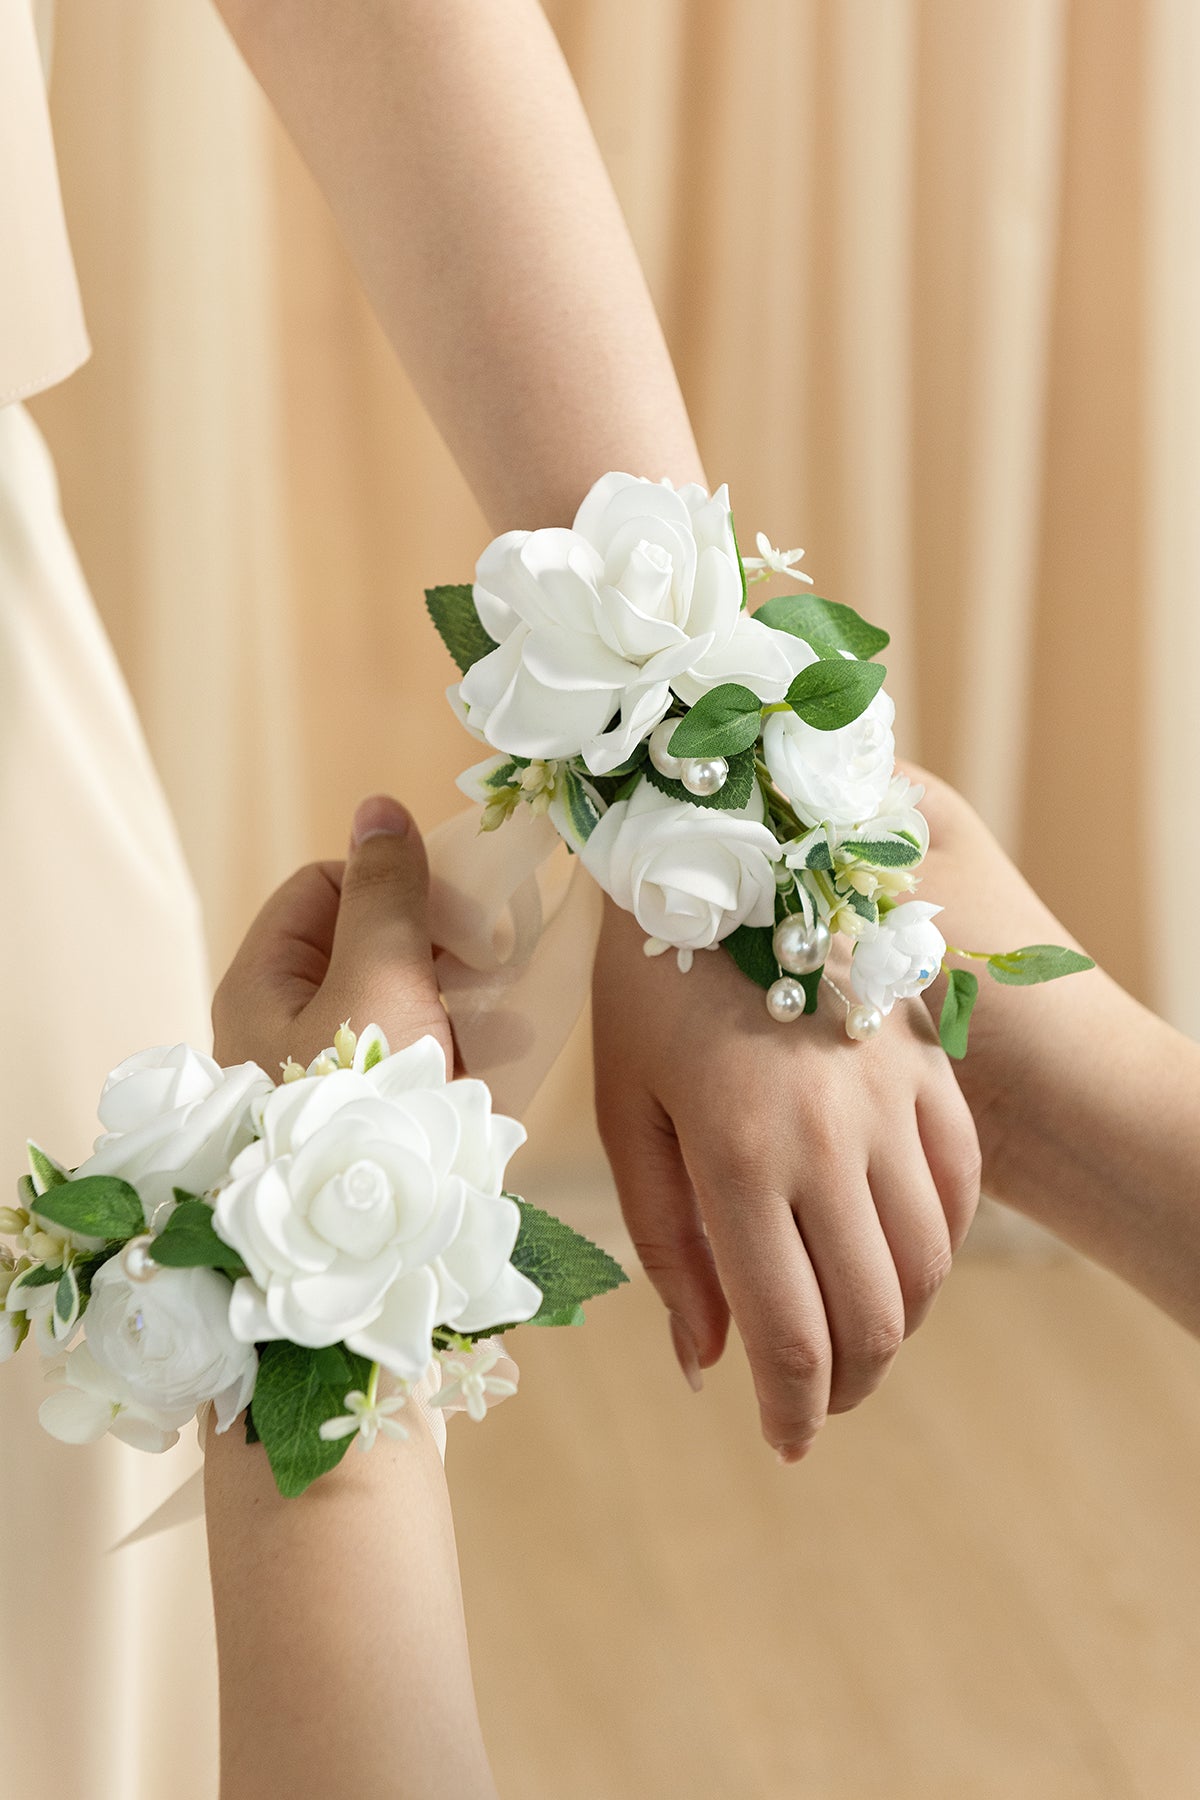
(324, 1065)
(12, 1220)
(292, 1070)
(45, 1248)
(344, 1042)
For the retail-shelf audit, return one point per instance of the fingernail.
(380, 816)
(789, 1454)
(686, 1352)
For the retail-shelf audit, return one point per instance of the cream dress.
(109, 1671)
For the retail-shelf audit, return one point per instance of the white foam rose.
(372, 1210)
(902, 955)
(168, 1343)
(174, 1119)
(839, 778)
(640, 597)
(689, 874)
(94, 1401)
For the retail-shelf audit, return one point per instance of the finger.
(910, 1212)
(860, 1288)
(279, 967)
(381, 965)
(951, 1149)
(776, 1303)
(660, 1211)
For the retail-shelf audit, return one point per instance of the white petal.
(75, 1417)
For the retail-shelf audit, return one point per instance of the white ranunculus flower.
(689, 874)
(372, 1210)
(94, 1401)
(174, 1119)
(167, 1341)
(899, 957)
(640, 597)
(837, 778)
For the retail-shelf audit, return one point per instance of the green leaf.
(566, 1315)
(67, 1303)
(961, 994)
(723, 722)
(374, 1055)
(827, 626)
(27, 1194)
(332, 1367)
(40, 1275)
(567, 1267)
(819, 855)
(189, 1240)
(292, 1400)
(868, 909)
(812, 988)
(46, 1172)
(750, 948)
(1037, 962)
(501, 776)
(828, 695)
(739, 784)
(99, 1206)
(883, 853)
(452, 610)
(581, 809)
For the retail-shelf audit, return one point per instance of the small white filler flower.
(770, 561)
(467, 1381)
(366, 1416)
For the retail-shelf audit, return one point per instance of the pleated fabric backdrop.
(931, 272)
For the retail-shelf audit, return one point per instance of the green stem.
(373, 1385)
(974, 955)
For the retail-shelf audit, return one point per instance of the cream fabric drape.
(929, 269)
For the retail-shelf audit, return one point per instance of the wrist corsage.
(310, 1251)
(727, 777)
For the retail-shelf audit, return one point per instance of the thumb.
(381, 966)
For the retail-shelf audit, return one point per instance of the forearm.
(1094, 1131)
(450, 142)
(343, 1655)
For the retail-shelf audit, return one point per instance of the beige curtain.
(931, 271)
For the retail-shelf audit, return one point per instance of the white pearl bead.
(704, 775)
(800, 948)
(137, 1261)
(863, 1022)
(660, 756)
(786, 1000)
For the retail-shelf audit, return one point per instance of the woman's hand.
(814, 1187)
(337, 941)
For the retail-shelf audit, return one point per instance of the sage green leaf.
(739, 785)
(45, 1171)
(962, 991)
(1036, 963)
(567, 1267)
(566, 1315)
(582, 812)
(750, 948)
(452, 610)
(189, 1240)
(723, 722)
(883, 853)
(828, 695)
(819, 855)
(99, 1206)
(867, 909)
(27, 1194)
(38, 1275)
(67, 1304)
(829, 627)
(292, 1400)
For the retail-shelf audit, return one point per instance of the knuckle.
(663, 1252)
(921, 1284)
(799, 1362)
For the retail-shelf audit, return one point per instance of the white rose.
(837, 778)
(689, 874)
(899, 957)
(641, 597)
(94, 1401)
(174, 1119)
(168, 1343)
(372, 1210)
